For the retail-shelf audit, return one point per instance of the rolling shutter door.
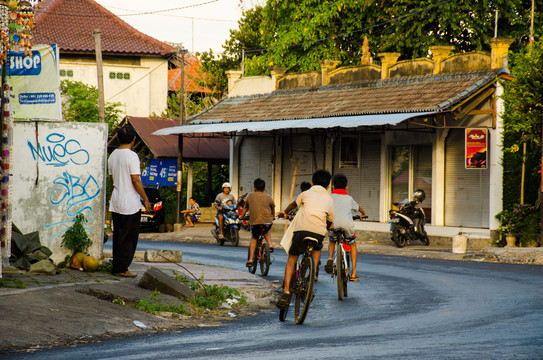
(364, 181)
(256, 161)
(466, 190)
(299, 147)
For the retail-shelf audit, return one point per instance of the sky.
(199, 25)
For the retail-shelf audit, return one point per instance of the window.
(70, 73)
(349, 150)
(126, 76)
(119, 75)
(62, 72)
(112, 75)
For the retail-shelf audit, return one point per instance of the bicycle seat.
(309, 239)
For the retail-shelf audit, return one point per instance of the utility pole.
(178, 225)
(99, 70)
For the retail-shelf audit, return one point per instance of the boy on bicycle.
(261, 214)
(315, 215)
(343, 205)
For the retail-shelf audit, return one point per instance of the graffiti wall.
(58, 172)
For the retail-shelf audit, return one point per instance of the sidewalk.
(202, 233)
(76, 306)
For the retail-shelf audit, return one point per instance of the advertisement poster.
(35, 84)
(476, 145)
(160, 172)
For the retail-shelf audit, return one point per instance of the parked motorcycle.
(231, 225)
(407, 222)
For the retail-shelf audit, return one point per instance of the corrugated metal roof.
(318, 123)
(399, 95)
(194, 148)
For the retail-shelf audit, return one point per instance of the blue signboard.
(160, 172)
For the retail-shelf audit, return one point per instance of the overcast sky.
(199, 25)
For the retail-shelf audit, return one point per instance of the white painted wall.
(58, 172)
(252, 85)
(146, 91)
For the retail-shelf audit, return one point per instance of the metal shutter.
(256, 161)
(364, 181)
(299, 147)
(466, 190)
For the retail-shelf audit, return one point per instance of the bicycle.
(301, 285)
(261, 255)
(342, 262)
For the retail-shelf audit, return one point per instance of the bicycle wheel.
(340, 271)
(252, 269)
(304, 289)
(347, 275)
(265, 258)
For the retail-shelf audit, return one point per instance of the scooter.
(231, 225)
(407, 221)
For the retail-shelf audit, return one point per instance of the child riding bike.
(343, 205)
(314, 216)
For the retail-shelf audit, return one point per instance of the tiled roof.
(194, 148)
(398, 95)
(192, 73)
(70, 24)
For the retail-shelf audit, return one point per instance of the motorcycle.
(241, 203)
(407, 221)
(231, 225)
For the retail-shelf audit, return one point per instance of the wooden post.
(178, 225)
(99, 70)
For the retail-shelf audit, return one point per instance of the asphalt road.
(403, 308)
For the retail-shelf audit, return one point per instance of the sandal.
(284, 301)
(272, 249)
(221, 236)
(329, 267)
(354, 278)
(249, 264)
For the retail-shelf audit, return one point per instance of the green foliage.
(80, 103)
(523, 102)
(215, 295)
(76, 238)
(106, 266)
(522, 221)
(155, 304)
(12, 283)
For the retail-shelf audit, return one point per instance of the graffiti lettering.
(75, 193)
(59, 152)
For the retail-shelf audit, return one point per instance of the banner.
(476, 145)
(35, 84)
(160, 172)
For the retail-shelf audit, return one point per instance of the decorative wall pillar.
(326, 67)
(439, 53)
(498, 54)
(387, 60)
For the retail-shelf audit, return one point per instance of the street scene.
(265, 178)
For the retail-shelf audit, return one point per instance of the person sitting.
(193, 214)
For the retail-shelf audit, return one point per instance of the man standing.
(125, 204)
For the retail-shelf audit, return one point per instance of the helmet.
(226, 184)
(419, 195)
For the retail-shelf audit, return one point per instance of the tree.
(299, 34)
(523, 115)
(80, 103)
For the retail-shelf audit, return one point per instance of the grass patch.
(12, 283)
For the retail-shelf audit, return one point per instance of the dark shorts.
(349, 240)
(194, 219)
(298, 246)
(260, 230)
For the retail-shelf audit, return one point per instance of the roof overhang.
(313, 123)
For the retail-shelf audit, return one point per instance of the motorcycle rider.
(221, 200)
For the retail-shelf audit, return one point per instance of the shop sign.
(160, 172)
(476, 148)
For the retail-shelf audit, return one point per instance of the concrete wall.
(59, 172)
(144, 93)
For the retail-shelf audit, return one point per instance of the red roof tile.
(192, 74)
(70, 24)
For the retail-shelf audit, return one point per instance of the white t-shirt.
(125, 199)
(317, 208)
(343, 206)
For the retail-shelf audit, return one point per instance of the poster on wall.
(160, 172)
(476, 146)
(35, 84)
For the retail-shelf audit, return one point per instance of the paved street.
(403, 308)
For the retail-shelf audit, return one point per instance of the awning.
(316, 123)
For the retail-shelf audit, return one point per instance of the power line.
(180, 16)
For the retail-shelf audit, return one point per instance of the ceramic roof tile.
(410, 94)
(70, 24)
